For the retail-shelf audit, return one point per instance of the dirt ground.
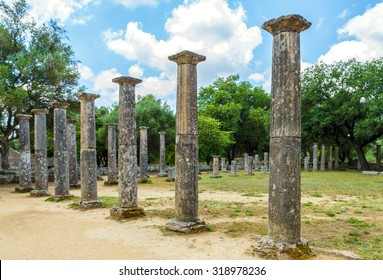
(32, 228)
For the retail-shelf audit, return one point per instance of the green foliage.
(37, 67)
(241, 109)
(341, 104)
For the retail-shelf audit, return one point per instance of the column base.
(90, 204)
(39, 193)
(23, 190)
(162, 174)
(269, 249)
(58, 197)
(170, 179)
(126, 212)
(110, 183)
(185, 227)
(216, 176)
(77, 186)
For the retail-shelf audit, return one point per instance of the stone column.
(171, 174)
(285, 134)
(257, 162)
(144, 154)
(266, 159)
(127, 150)
(162, 155)
(186, 157)
(307, 159)
(329, 158)
(250, 165)
(323, 158)
(88, 157)
(245, 157)
(25, 184)
(378, 157)
(315, 157)
(41, 162)
(72, 154)
(112, 155)
(233, 168)
(215, 167)
(223, 165)
(61, 151)
(336, 160)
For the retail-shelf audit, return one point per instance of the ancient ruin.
(72, 154)
(25, 155)
(112, 156)
(162, 155)
(144, 174)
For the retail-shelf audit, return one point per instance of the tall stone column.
(330, 158)
(112, 155)
(323, 158)
(72, 154)
(61, 151)
(284, 229)
(186, 157)
(25, 184)
(223, 165)
(127, 150)
(41, 162)
(162, 155)
(306, 163)
(257, 162)
(250, 165)
(233, 168)
(315, 157)
(245, 158)
(266, 159)
(144, 154)
(378, 157)
(215, 167)
(336, 160)
(88, 156)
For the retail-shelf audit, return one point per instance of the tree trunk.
(4, 155)
(362, 158)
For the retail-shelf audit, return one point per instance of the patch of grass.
(151, 198)
(358, 223)
(167, 213)
(316, 195)
(330, 213)
(358, 212)
(237, 229)
(109, 201)
(308, 204)
(253, 194)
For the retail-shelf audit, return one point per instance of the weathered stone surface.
(88, 158)
(127, 148)
(329, 166)
(263, 169)
(186, 152)
(61, 150)
(144, 175)
(371, 173)
(186, 227)
(285, 130)
(215, 167)
(126, 212)
(250, 165)
(162, 155)
(223, 165)
(257, 163)
(323, 158)
(266, 159)
(112, 156)
(336, 158)
(72, 154)
(171, 175)
(245, 157)
(25, 184)
(306, 164)
(233, 168)
(315, 157)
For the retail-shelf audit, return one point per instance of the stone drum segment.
(186, 152)
(25, 155)
(215, 167)
(127, 150)
(88, 159)
(41, 164)
(284, 227)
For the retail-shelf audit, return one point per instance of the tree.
(211, 139)
(241, 109)
(344, 102)
(36, 68)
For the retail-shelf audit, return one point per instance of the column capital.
(187, 57)
(144, 127)
(60, 105)
(295, 23)
(87, 96)
(126, 80)
(162, 132)
(39, 111)
(24, 116)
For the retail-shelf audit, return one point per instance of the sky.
(134, 38)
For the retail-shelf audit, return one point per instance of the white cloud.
(73, 11)
(86, 72)
(210, 28)
(257, 77)
(368, 35)
(343, 14)
(320, 22)
(131, 4)
(136, 71)
(104, 86)
(305, 65)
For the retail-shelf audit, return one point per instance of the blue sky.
(135, 37)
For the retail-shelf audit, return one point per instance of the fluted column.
(41, 162)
